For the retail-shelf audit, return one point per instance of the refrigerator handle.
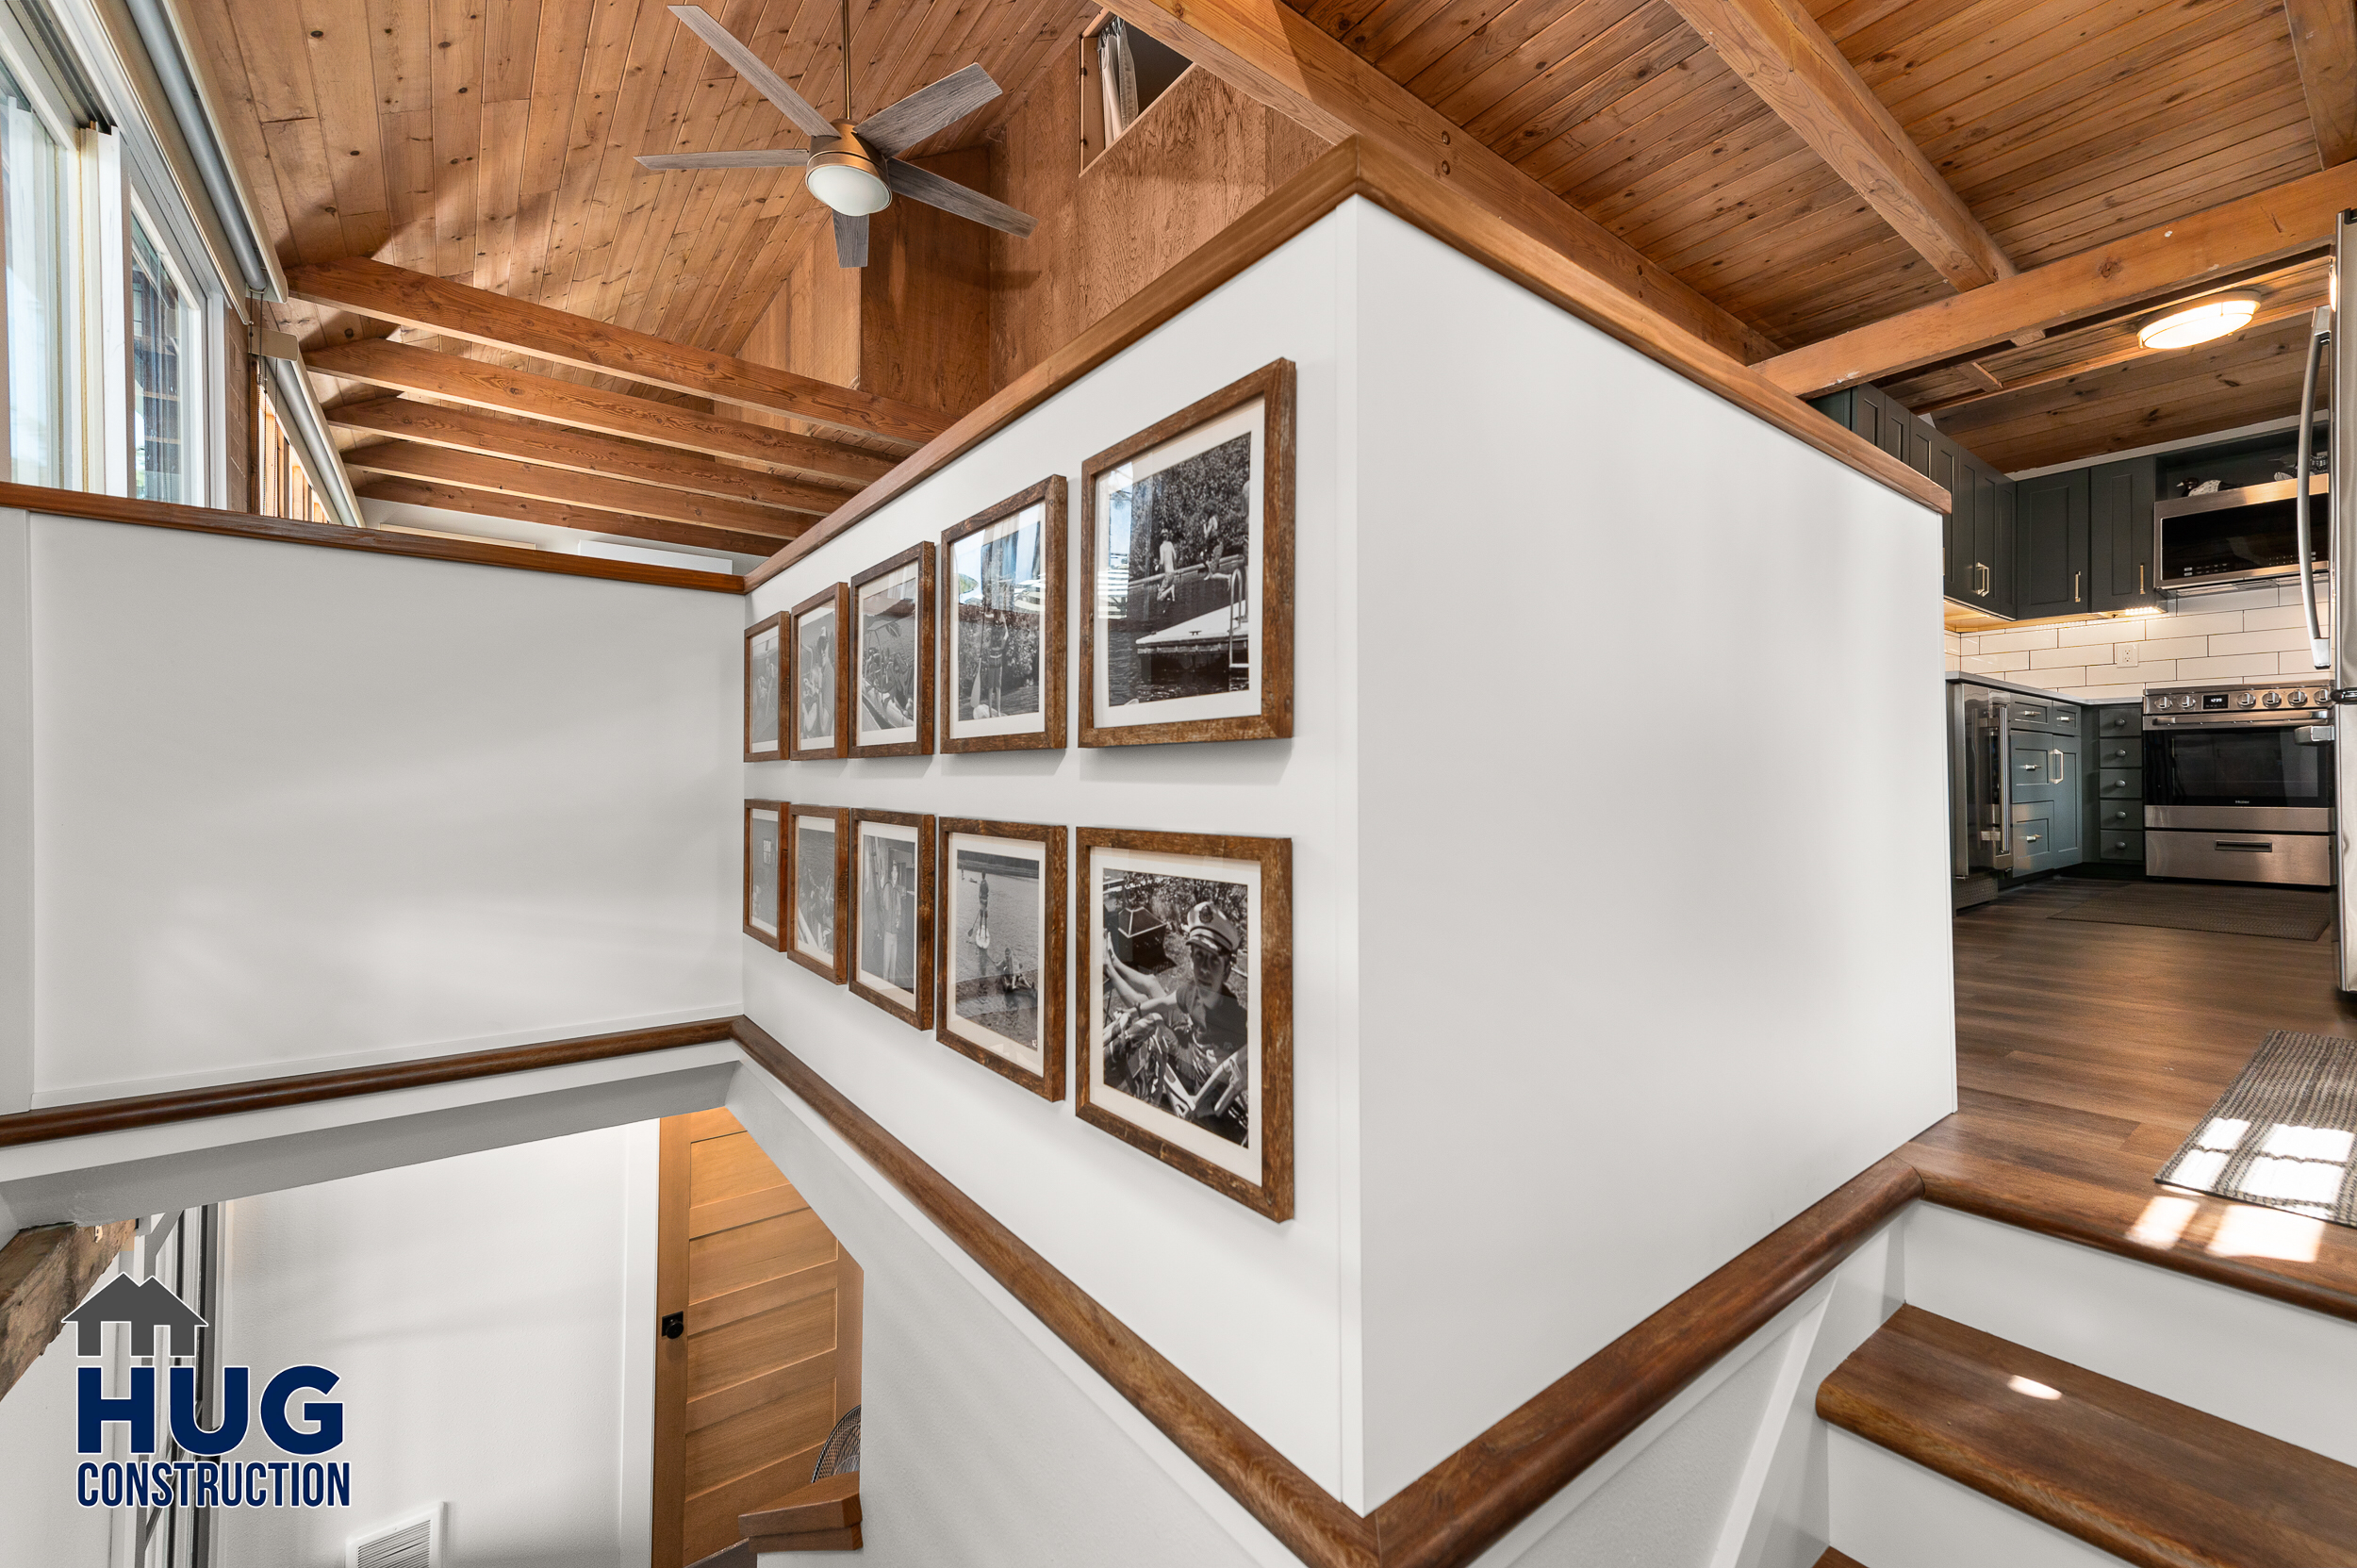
(2004, 782)
(2320, 334)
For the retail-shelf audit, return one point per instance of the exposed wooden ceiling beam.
(529, 442)
(518, 508)
(2152, 265)
(479, 316)
(2324, 40)
(43, 1272)
(443, 465)
(399, 366)
(1780, 53)
(1270, 52)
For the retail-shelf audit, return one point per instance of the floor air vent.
(415, 1542)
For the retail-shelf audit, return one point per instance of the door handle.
(2057, 767)
(2074, 585)
(2032, 837)
(2251, 849)
(2320, 334)
(2139, 577)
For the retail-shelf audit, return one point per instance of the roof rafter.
(2324, 40)
(517, 509)
(450, 309)
(1782, 53)
(443, 465)
(2153, 265)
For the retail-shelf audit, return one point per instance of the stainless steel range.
(2238, 782)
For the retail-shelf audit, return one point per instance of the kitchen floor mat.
(2295, 913)
(2280, 1134)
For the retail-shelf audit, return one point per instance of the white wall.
(492, 1326)
(2238, 635)
(299, 808)
(1250, 1309)
(40, 1521)
(1653, 916)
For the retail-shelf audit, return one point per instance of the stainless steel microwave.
(2230, 536)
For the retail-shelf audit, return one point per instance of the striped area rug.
(2281, 1133)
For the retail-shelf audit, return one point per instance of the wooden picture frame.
(1041, 728)
(963, 1031)
(827, 956)
(765, 670)
(1182, 619)
(899, 918)
(866, 694)
(1127, 889)
(834, 603)
(775, 813)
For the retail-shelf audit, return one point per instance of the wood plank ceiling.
(1807, 166)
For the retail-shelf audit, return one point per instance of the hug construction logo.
(192, 1471)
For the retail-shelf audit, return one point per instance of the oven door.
(2260, 777)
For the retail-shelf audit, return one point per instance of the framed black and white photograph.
(1000, 915)
(815, 632)
(892, 912)
(1002, 597)
(764, 854)
(1187, 551)
(892, 631)
(817, 881)
(1185, 1002)
(765, 687)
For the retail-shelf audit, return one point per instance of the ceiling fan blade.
(850, 240)
(758, 75)
(922, 184)
(926, 110)
(753, 157)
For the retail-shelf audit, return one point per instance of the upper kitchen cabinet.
(2119, 513)
(2051, 515)
(1981, 571)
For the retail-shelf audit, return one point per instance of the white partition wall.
(299, 808)
(1619, 928)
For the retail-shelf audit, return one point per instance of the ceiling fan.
(849, 164)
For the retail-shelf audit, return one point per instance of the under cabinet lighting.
(2144, 609)
(2199, 322)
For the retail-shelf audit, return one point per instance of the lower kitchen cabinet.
(2048, 802)
(2114, 786)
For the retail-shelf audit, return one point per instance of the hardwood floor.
(2085, 1055)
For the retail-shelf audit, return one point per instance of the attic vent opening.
(415, 1542)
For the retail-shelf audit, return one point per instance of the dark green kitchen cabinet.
(2119, 518)
(2051, 521)
(1979, 568)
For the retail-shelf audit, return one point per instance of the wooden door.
(767, 1356)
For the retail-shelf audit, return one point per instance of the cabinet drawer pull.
(2074, 585)
(2032, 837)
(2249, 849)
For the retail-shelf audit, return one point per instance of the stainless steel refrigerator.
(2336, 650)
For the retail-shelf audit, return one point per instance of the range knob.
(2273, 699)
(2162, 703)
(2299, 698)
(2248, 699)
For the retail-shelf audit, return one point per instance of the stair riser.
(1892, 1513)
(2275, 1368)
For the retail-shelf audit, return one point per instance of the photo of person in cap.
(1179, 1037)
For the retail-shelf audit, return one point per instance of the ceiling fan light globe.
(847, 188)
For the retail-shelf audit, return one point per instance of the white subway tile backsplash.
(2033, 637)
(2282, 615)
(2151, 673)
(2227, 667)
(2058, 658)
(2108, 694)
(2173, 647)
(2258, 598)
(2298, 665)
(2274, 641)
(1995, 664)
(2053, 679)
(2089, 633)
(2207, 624)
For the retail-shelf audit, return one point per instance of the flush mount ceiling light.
(2199, 322)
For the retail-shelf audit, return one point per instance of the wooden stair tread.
(1835, 1559)
(2143, 1478)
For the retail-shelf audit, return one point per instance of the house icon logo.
(161, 1418)
(146, 1305)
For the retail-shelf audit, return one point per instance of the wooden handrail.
(269, 1094)
(375, 541)
(1357, 168)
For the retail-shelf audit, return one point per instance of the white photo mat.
(1031, 1058)
(864, 905)
(807, 627)
(1249, 1160)
(1251, 418)
(903, 584)
(800, 862)
(766, 835)
(1033, 519)
(764, 656)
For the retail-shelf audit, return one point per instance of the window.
(159, 401)
(34, 222)
(282, 489)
